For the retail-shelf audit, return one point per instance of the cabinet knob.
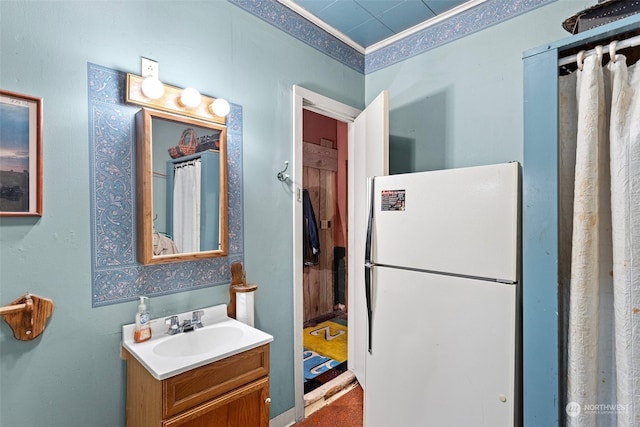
(267, 400)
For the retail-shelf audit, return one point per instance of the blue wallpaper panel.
(116, 274)
(480, 17)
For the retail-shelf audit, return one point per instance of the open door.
(368, 156)
(368, 152)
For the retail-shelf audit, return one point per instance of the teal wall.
(73, 375)
(461, 104)
(456, 105)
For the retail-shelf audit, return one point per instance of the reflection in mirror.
(182, 188)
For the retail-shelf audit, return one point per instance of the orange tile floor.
(346, 411)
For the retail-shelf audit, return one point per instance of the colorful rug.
(325, 347)
(328, 338)
(316, 364)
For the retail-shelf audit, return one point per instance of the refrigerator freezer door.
(461, 221)
(443, 351)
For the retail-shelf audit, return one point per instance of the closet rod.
(622, 44)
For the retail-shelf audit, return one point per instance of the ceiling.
(372, 22)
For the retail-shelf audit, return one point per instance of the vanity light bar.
(170, 101)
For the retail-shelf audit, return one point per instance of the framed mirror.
(181, 188)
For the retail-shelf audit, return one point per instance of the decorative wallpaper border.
(478, 18)
(468, 22)
(116, 274)
(280, 16)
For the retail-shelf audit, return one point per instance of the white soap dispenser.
(143, 328)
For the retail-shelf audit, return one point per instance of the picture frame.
(20, 154)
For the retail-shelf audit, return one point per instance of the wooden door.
(320, 164)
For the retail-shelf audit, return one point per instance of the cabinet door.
(209, 382)
(246, 406)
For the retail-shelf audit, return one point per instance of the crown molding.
(461, 21)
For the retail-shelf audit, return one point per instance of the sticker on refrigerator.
(392, 200)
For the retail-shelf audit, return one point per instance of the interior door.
(319, 168)
(368, 156)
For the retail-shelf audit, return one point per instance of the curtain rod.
(622, 44)
(185, 164)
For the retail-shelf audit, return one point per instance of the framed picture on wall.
(20, 155)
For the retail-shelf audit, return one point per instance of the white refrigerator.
(441, 283)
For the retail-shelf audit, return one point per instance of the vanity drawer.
(243, 407)
(199, 385)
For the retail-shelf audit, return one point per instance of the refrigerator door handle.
(367, 246)
(368, 264)
(367, 290)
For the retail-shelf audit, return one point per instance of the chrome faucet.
(174, 325)
(187, 325)
(196, 319)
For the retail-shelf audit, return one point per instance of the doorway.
(325, 280)
(368, 135)
(328, 113)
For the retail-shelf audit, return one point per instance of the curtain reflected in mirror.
(186, 205)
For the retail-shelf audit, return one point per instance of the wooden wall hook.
(27, 316)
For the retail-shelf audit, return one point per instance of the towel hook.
(27, 316)
(282, 177)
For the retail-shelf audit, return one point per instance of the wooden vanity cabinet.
(232, 392)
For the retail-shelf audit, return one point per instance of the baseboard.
(286, 419)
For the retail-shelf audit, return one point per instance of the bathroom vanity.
(231, 392)
(217, 375)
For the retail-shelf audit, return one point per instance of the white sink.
(167, 355)
(198, 341)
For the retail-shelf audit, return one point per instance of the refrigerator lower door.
(443, 351)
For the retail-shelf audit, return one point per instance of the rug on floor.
(328, 339)
(317, 375)
(316, 364)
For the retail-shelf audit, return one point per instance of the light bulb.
(190, 97)
(152, 88)
(220, 107)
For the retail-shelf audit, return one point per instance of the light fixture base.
(170, 101)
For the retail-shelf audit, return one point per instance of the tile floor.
(346, 411)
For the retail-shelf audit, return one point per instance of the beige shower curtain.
(603, 369)
(186, 206)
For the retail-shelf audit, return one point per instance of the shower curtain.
(186, 206)
(603, 368)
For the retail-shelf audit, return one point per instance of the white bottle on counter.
(142, 331)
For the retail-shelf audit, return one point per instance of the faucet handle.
(174, 324)
(196, 318)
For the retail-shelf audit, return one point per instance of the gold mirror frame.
(144, 188)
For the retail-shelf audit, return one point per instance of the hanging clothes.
(311, 239)
(163, 245)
